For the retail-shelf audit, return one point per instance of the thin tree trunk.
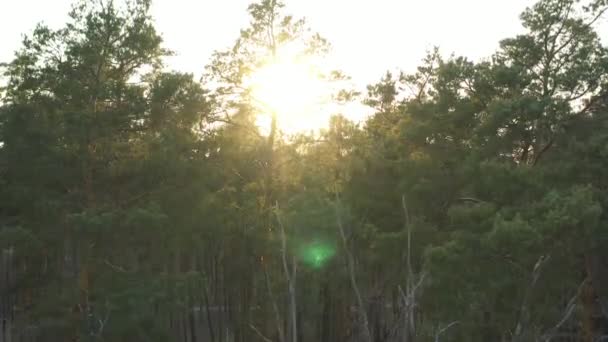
(290, 275)
(351, 271)
(273, 301)
(293, 303)
(208, 311)
(324, 335)
(409, 327)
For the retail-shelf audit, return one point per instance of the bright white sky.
(368, 37)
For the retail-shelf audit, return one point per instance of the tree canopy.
(141, 204)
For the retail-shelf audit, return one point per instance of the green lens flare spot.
(316, 255)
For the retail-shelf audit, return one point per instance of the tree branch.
(259, 333)
(444, 329)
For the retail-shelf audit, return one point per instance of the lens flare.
(317, 255)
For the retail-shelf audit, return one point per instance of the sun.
(291, 89)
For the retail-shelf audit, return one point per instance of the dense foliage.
(138, 204)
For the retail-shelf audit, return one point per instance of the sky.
(368, 37)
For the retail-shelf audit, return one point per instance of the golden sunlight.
(290, 88)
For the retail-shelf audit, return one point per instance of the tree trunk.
(351, 271)
(290, 276)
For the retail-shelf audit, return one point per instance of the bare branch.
(567, 313)
(115, 267)
(470, 199)
(444, 329)
(542, 151)
(259, 333)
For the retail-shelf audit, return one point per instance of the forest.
(143, 204)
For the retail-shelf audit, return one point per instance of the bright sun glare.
(292, 89)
